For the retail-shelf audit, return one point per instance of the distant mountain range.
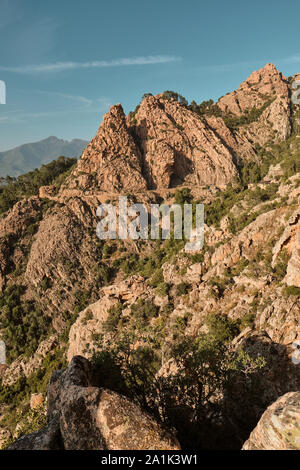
(27, 157)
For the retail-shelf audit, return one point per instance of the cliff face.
(112, 161)
(178, 147)
(266, 91)
(166, 144)
(53, 267)
(266, 83)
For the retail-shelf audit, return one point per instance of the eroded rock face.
(290, 240)
(179, 147)
(167, 144)
(252, 92)
(266, 84)
(85, 417)
(12, 227)
(25, 367)
(112, 161)
(279, 426)
(22, 214)
(92, 318)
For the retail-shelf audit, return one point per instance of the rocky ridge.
(166, 144)
(248, 271)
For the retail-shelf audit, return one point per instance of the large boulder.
(82, 416)
(279, 426)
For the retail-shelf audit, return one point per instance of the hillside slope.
(232, 309)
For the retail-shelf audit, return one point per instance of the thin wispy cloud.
(79, 105)
(63, 66)
(65, 96)
(295, 59)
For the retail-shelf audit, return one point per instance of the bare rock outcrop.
(22, 214)
(279, 426)
(82, 416)
(90, 320)
(111, 162)
(25, 367)
(165, 144)
(179, 147)
(13, 226)
(252, 92)
(266, 84)
(290, 240)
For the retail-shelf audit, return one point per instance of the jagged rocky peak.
(260, 87)
(262, 104)
(164, 144)
(111, 162)
(179, 147)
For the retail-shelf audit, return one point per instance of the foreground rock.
(85, 417)
(279, 426)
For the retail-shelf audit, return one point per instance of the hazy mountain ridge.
(27, 157)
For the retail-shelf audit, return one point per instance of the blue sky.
(65, 62)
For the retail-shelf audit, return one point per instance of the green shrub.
(24, 325)
(157, 278)
(279, 270)
(144, 310)
(172, 95)
(183, 288)
(203, 368)
(222, 327)
(252, 115)
(14, 189)
(82, 300)
(292, 290)
(183, 196)
(163, 289)
(247, 321)
(108, 250)
(45, 283)
(113, 319)
(36, 383)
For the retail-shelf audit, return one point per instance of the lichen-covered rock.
(279, 426)
(48, 438)
(83, 416)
